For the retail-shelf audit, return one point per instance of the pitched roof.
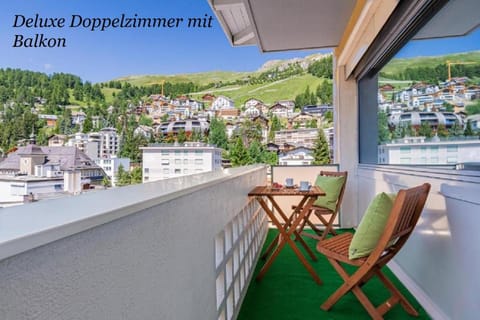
(69, 158)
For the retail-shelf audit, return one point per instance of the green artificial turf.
(288, 291)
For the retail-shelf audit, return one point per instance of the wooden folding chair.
(403, 217)
(326, 216)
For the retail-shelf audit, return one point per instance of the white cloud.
(47, 66)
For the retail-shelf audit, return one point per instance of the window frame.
(407, 19)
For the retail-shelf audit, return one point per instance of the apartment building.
(163, 161)
(102, 144)
(419, 150)
(111, 164)
(296, 137)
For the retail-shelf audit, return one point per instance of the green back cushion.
(371, 226)
(332, 187)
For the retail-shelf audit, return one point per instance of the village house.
(222, 102)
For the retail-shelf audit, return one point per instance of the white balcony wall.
(440, 262)
(184, 248)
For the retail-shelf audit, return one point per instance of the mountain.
(237, 86)
(204, 78)
(397, 65)
(274, 80)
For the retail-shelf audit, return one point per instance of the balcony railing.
(178, 249)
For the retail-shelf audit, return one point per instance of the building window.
(166, 171)
(178, 161)
(404, 149)
(165, 162)
(178, 171)
(146, 170)
(395, 88)
(165, 153)
(452, 160)
(452, 148)
(198, 161)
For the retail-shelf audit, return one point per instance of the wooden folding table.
(289, 226)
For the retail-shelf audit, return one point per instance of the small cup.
(304, 185)
(289, 182)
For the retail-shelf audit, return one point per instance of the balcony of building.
(187, 248)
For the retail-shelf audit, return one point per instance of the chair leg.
(399, 297)
(372, 311)
(328, 226)
(351, 283)
(340, 292)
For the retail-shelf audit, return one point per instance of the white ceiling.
(277, 25)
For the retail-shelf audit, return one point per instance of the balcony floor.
(288, 292)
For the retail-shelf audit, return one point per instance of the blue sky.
(101, 56)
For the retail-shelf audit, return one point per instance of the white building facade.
(102, 144)
(111, 164)
(166, 161)
(418, 150)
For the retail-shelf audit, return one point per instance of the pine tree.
(442, 131)
(425, 130)
(456, 130)
(87, 125)
(255, 152)
(123, 177)
(217, 135)
(321, 151)
(383, 131)
(181, 136)
(238, 153)
(275, 126)
(468, 129)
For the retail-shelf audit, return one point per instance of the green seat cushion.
(332, 187)
(371, 226)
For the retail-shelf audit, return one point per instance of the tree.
(270, 157)
(312, 123)
(328, 116)
(123, 177)
(145, 121)
(468, 129)
(181, 136)
(473, 108)
(136, 175)
(442, 131)
(251, 131)
(456, 130)
(425, 130)
(383, 131)
(130, 147)
(275, 125)
(255, 153)
(87, 125)
(238, 154)
(217, 134)
(106, 182)
(321, 151)
(324, 92)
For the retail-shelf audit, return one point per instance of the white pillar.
(346, 141)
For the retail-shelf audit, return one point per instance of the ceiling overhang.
(457, 18)
(278, 25)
